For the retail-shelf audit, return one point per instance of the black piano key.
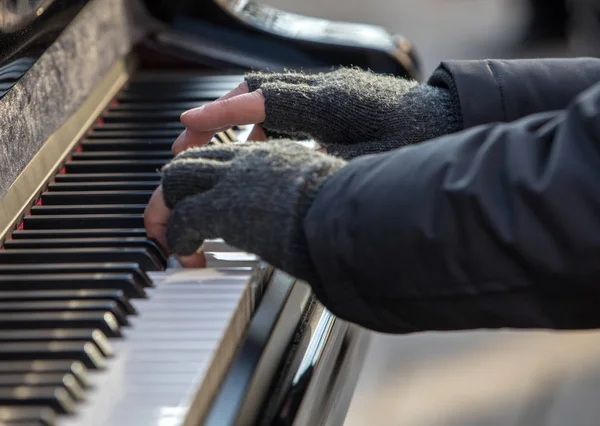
(117, 296)
(137, 145)
(67, 381)
(103, 321)
(66, 306)
(96, 337)
(73, 367)
(140, 277)
(156, 116)
(138, 126)
(230, 133)
(135, 134)
(152, 78)
(184, 85)
(55, 397)
(115, 166)
(47, 243)
(184, 96)
(96, 197)
(83, 221)
(84, 352)
(91, 281)
(18, 415)
(107, 177)
(103, 186)
(78, 233)
(92, 209)
(156, 106)
(122, 155)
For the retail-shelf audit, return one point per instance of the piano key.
(92, 209)
(125, 282)
(78, 233)
(223, 137)
(186, 96)
(103, 321)
(55, 397)
(156, 106)
(141, 278)
(217, 245)
(182, 86)
(135, 134)
(66, 306)
(84, 221)
(118, 296)
(103, 186)
(18, 415)
(107, 177)
(60, 334)
(115, 166)
(138, 126)
(230, 133)
(84, 352)
(156, 116)
(96, 197)
(75, 368)
(47, 243)
(137, 145)
(169, 77)
(122, 155)
(67, 381)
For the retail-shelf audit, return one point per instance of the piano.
(98, 327)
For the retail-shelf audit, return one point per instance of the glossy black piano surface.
(27, 29)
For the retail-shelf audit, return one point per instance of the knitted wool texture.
(354, 112)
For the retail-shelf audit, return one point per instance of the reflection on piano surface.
(97, 325)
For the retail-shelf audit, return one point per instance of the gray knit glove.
(354, 112)
(254, 196)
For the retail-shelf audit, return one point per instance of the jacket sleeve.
(496, 226)
(491, 91)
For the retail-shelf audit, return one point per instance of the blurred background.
(476, 378)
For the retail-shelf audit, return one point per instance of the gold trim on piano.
(49, 159)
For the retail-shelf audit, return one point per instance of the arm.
(497, 226)
(505, 90)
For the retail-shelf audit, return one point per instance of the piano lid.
(27, 29)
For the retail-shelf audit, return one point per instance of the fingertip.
(179, 143)
(196, 260)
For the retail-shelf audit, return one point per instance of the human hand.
(349, 112)
(238, 107)
(254, 196)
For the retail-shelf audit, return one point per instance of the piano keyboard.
(94, 328)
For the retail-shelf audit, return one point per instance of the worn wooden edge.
(49, 159)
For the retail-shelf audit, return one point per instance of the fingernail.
(198, 109)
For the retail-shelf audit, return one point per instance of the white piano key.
(162, 359)
(217, 246)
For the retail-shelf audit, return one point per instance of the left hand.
(238, 107)
(254, 196)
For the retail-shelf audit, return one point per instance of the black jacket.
(495, 226)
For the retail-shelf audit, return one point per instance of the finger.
(247, 108)
(190, 139)
(257, 134)
(156, 217)
(241, 89)
(196, 260)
